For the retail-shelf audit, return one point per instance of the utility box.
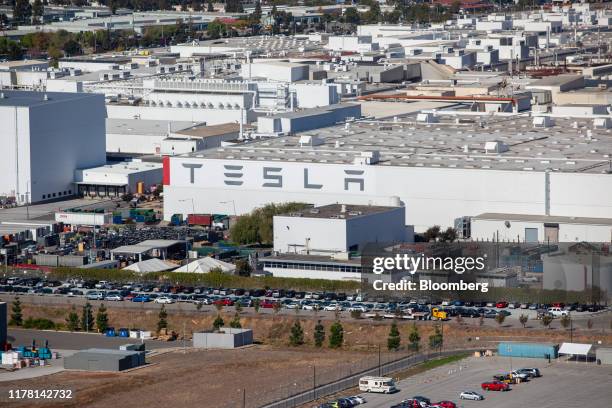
(528, 350)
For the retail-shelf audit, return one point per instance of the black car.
(423, 401)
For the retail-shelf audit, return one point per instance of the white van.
(384, 385)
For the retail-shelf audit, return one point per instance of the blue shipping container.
(529, 350)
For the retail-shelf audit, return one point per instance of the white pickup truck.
(558, 312)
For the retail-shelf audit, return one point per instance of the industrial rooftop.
(335, 211)
(456, 141)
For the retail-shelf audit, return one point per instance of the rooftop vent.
(542, 122)
(496, 146)
(367, 157)
(427, 118)
(602, 123)
(307, 140)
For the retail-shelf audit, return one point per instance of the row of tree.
(85, 322)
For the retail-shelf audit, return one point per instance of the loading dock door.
(531, 235)
(551, 232)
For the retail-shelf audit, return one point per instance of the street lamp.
(230, 201)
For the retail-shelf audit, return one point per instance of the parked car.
(501, 305)
(113, 297)
(471, 395)
(495, 386)
(531, 372)
(141, 298)
(164, 300)
(444, 404)
(410, 403)
(93, 295)
(424, 402)
(558, 312)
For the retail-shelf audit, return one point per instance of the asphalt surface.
(562, 385)
(80, 341)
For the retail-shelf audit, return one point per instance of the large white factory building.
(45, 137)
(439, 168)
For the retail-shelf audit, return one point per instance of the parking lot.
(563, 384)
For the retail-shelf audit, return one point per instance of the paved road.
(79, 341)
(563, 385)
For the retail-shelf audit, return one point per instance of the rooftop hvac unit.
(496, 147)
(602, 123)
(307, 140)
(367, 157)
(542, 122)
(427, 118)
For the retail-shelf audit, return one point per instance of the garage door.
(531, 235)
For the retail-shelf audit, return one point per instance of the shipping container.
(528, 350)
(199, 219)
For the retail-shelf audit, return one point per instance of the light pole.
(314, 382)
(230, 201)
(192, 204)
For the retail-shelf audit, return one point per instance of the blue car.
(141, 298)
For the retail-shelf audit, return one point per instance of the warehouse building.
(441, 166)
(139, 136)
(337, 228)
(114, 180)
(96, 359)
(337, 267)
(151, 248)
(45, 138)
(540, 228)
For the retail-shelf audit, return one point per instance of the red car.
(558, 304)
(129, 296)
(495, 386)
(445, 404)
(224, 302)
(267, 304)
(501, 305)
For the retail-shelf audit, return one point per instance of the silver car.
(471, 395)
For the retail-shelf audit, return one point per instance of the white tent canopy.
(205, 265)
(150, 265)
(576, 349)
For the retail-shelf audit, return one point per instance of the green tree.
(233, 6)
(319, 334)
(436, 339)
(16, 313)
(356, 314)
(216, 29)
(394, 339)
(499, 318)
(449, 235)
(546, 320)
(210, 8)
(351, 15)
(235, 322)
(22, 11)
(256, 305)
(218, 323)
(276, 307)
(523, 318)
(72, 321)
(432, 233)
(87, 319)
(162, 319)
(414, 338)
(102, 319)
(238, 307)
(257, 227)
(257, 11)
(37, 12)
(297, 334)
(243, 267)
(589, 324)
(336, 335)
(565, 321)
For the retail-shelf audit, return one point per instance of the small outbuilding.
(97, 359)
(603, 355)
(225, 338)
